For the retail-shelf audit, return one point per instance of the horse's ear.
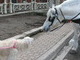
(53, 6)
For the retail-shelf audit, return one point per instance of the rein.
(57, 15)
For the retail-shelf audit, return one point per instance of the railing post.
(33, 4)
(5, 6)
(10, 4)
(47, 4)
(2, 9)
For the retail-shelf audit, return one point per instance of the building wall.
(20, 1)
(1, 1)
(28, 0)
(41, 0)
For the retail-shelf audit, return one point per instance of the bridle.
(56, 16)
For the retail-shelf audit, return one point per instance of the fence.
(21, 7)
(10, 7)
(41, 6)
(17, 7)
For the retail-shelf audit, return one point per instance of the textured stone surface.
(43, 42)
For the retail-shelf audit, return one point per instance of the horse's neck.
(70, 2)
(69, 10)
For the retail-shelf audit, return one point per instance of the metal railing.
(6, 8)
(17, 7)
(41, 6)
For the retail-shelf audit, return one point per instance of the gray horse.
(68, 10)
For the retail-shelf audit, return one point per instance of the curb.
(4, 15)
(28, 33)
(10, 14)
(52, 53)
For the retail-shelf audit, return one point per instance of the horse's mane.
(71, 3)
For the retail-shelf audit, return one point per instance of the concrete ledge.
(4, 15)
(16, 13)
(64, 53)
(28, 33)
(33, 31)
(52, 53)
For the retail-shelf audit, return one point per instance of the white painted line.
(52, 53)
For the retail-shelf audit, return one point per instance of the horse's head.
(51, 15)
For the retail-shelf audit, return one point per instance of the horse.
(68, 10)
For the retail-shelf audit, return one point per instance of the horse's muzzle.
(46, 29)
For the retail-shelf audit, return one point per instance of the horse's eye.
(51, 19)
(53, 13)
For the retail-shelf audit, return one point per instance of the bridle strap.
(56, 11)
(75, 16)
(62, 13)
(57, 15)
